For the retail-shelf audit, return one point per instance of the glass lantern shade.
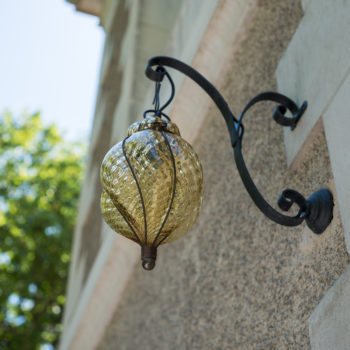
(152, 185)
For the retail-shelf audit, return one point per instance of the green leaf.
(40, 178)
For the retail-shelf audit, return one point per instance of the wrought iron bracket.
(280, 118)
(317, 210)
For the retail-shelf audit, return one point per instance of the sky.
(50, 58)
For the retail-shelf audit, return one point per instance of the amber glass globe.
(152, 186)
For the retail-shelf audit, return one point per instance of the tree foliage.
(40, 177)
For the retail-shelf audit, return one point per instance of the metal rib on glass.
(152, 186)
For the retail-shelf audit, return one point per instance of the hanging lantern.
(152, 180)
(152, 186)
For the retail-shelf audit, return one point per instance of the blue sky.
(50, 61)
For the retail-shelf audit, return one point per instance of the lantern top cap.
(154, 123)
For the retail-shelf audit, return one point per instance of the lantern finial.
(148, 257)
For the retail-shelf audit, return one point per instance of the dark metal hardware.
(317, 210)
(148, 257)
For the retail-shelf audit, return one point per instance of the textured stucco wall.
(237, 280)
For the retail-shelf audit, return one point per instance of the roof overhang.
(92, 7)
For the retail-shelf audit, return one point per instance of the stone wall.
(237, 280)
